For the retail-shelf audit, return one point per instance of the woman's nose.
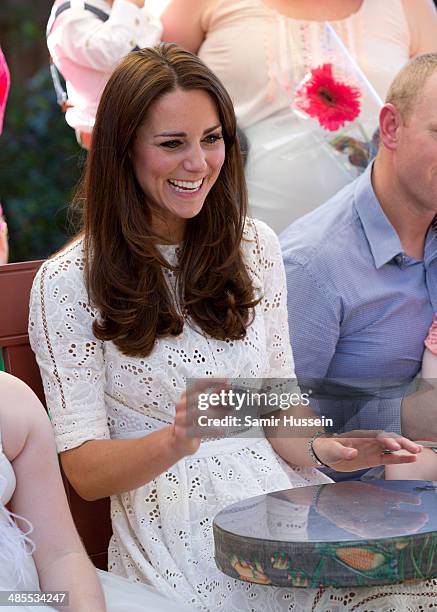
(195, 160)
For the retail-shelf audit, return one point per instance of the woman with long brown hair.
(169, 281)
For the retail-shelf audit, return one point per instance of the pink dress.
(4, 87)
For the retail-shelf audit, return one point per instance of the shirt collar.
(382, 238)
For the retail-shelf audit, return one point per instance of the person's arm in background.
(87, 41)
(419, 408)
(291, 443)
(429, 362)
(60, 558)
(421, 16)
(183, 22)
(314, 318)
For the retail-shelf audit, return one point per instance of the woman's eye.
(213, 138)
(170, 144)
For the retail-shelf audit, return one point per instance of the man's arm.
(314, 318)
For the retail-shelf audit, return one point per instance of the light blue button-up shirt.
(359, 307)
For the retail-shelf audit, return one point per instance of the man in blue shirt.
(362, 268)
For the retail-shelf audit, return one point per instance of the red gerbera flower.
(331, 102)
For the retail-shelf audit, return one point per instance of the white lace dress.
(163, 530)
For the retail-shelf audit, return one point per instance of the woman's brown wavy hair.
(123, 266)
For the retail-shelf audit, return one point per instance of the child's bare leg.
(429, 364)
(425, 468)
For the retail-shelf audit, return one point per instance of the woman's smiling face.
(177, 156)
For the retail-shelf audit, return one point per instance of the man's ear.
(390, 122)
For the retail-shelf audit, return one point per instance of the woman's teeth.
(186, 185)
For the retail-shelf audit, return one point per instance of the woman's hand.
(357, 450)
(183, 441)
(185, 429)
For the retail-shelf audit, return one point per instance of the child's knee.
(425, 468)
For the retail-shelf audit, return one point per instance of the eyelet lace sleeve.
(69, 356)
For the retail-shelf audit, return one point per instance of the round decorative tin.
(341, 534)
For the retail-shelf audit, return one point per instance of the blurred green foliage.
(20, 28)
(40, 164)
(40, 161)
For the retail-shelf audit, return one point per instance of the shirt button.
(132, 43)
(137, 21)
